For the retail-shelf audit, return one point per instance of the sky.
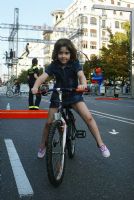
(31, 12)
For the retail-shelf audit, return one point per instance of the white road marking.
(113, 132)
(114, 117)
(128, 119)
(22, 182)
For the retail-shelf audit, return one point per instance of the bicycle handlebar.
(63, 90)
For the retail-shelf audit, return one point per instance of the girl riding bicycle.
(68, 73)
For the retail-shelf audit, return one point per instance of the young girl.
(68, 74)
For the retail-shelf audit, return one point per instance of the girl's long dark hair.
(64, 42)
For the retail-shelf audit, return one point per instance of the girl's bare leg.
(46, 127)
(83, 111)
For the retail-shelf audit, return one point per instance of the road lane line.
(128, 119)
(101, 115)
(22, 182)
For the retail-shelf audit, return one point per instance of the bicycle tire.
(71, 139)
(55, 173)
(9, 93)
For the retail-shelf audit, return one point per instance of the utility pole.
(131, 11)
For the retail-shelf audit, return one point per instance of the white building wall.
(84, 8)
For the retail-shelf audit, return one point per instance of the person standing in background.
(33, 74)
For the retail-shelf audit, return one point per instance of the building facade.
(87, 27)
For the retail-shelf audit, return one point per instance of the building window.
(104, 13)
(84, 31)
(103, 23)
(103, 33)
(112, 1)
(116, 24)
(84, 44)
(114, 12)
(84, 20)
(128, 5)
(77, 21)
(93, 20)
(93, 33)
(122, 25)
(93, 45)
(118, 3)
(121, 13)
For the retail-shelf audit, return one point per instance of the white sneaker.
(104, 151)
(41, 153)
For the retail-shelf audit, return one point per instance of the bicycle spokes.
(55, 154)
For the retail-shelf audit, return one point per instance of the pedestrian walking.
(33, 74)
(69, 74)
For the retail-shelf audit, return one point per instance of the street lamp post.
(131, 11)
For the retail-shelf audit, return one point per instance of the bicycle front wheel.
(9, 93)
(55, 154)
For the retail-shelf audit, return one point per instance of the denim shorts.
(66, 101)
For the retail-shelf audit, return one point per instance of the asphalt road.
(88, 176)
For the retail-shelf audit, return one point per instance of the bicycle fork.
(58, 116)
(64, 134)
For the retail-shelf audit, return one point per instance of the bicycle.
(62, 135)
(12, 91)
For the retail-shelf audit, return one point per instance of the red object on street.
(107, 98)
(23, 114)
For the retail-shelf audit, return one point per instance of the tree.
(116, 57)
(23, 76)
(90, 66)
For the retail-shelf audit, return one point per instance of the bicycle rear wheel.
(9, 93)
(71, 139)
(55, 154)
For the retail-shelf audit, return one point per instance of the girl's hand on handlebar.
(81, 88)
(34, 90)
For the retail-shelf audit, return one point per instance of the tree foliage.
(90, 66)
(116, 57)
(23, 76)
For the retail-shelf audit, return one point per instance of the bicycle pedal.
(80, 134)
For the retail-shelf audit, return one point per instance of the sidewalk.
(121, 96)
(111, 97)
(24, 89)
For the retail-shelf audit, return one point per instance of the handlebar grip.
(81, 90)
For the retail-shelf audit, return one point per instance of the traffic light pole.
(131, 11)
